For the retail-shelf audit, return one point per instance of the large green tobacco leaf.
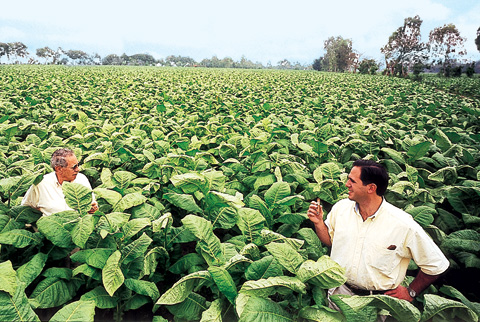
(77, 311)
(467, 240)
(286, 255)
(213, 313)
(96, 257)
(424, 215)
(143, 287)
(277, 192)
(442, 309)
(183, 201)
(224, 282)
(207, 241)
(128, 201)
(182, 289)
(29, 271)
(418, 151)
(264, 268)
(20, 238)
(190, 182)
(321, 314)
(134, 226)
(112, 275)
(190, 309)
(54, 227)
(272, 285)
(110, 196)
(135, 249)
(77, 196)
(258, 309)
(251, 223)
(102, 299)
(8, 278)
(16, 307)
(82, 230)
(51, 292)
(325, 273)
(122, 179)
(359, 308)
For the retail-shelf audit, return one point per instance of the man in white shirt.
(374, 240)
(48, 195)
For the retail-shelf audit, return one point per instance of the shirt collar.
(372, 217)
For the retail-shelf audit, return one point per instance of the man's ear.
(372, 188)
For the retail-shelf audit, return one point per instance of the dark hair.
(373, 172)
(58, 158)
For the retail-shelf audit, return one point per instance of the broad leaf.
(183, 201)
(102, 299)
(272, 285)
(29, 271)
(16, 308)
(208, 242)
(51, 292)
(82, 230)
(264, 268)
(224, 282)
(260, 309)
(76, 311)
(277, 192)
(325, 273)
(182, 289)
(77, 196)
(8, 278)
(443, 309)
(112, 275)
(20, 238)
(286, 255)
(143, 287)
(251, 223)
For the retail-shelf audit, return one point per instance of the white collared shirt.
(48, 195)
(376, 252)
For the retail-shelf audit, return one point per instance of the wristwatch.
(411, 292)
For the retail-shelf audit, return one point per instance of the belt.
(359, 291)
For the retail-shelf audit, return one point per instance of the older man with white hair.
(47, 196)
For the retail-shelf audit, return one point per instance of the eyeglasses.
(75, 166)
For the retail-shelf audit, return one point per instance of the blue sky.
(263, 31)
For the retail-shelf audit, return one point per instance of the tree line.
(403, 53)
(15, 52)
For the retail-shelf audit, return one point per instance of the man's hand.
(401, 292)
(94, 207)
(315, 212)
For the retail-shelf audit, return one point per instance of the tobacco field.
(203, 179)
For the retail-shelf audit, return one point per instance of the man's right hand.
(315, 212)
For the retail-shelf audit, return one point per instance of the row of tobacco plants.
(204, 178)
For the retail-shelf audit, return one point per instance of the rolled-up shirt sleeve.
(426, 254)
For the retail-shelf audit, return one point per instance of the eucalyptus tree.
(404, 47)
(446, 45)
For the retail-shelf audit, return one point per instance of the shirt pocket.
(384, 258)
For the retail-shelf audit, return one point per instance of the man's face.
(356, 190)
(68, 173)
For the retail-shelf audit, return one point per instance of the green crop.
(203, 179)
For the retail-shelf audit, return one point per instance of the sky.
(265, 31)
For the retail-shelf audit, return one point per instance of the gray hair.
(58, 157)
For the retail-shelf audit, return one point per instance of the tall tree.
(404, 47)
(78, 56)
(446, 45)
(477, 40)
(46, 53)
(18, 49)
(4, 50)
(339, 56)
